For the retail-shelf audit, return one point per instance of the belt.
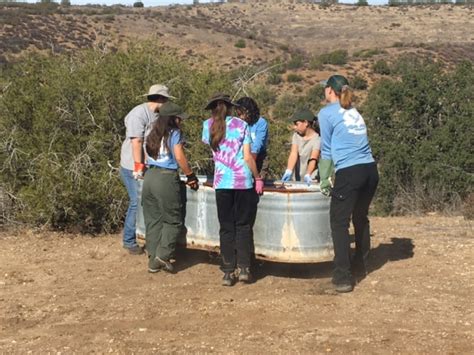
(161, 168)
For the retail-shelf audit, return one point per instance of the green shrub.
(296, 61)
(338, 57)
(316, 63)
(367, 53)
(138, 4)
(358, 83)
(273, 79)
(294, 78)
(61, 124)
(240, 43)
(381, 67)
(421, 133)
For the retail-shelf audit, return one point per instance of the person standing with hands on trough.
(162, 202)
(305, 146)
(234, 174)
(345, 146)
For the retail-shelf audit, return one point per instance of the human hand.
(192, 181)
(138, 170)
(326, 186)
(259, 186)
(307, 179)
(287, 175)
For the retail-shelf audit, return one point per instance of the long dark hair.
(217, 131)
(250, 107)
(160, 132)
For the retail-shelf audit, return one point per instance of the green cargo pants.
(162, 211)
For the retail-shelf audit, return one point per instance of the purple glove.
(259, 186)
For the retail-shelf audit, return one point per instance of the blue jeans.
(129, 237)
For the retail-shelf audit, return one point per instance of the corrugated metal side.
(291, 226)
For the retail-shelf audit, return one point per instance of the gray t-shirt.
(137, 124)
(305, 147)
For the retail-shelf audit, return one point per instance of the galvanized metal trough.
(292, 223)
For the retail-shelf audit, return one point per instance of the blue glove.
(307, 179)
(287, 175)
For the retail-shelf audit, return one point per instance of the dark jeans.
(235, 211)
(163, 212)
(351, 196)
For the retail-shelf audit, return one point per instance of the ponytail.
(219, 113)
(345, 97)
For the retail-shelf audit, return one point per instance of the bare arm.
(313, 163)
(292, 158)
(137, 149)
(181, 159)
(250, 161)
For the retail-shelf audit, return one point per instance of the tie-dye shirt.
(230, 171)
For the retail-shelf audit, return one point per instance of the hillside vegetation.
(64, 97)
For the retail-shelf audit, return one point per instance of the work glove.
(326, 169)
(138, 170)
(259, 186)
(287, 175)
(307, 179)
(192, 181)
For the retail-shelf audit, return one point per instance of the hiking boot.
(244, 275)
(343, 287)
(228, 279)
(153, 266)
(135, 250)
(164, 264)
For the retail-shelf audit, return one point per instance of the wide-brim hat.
(219, 97)
(303, 114)
(159, 90)
(171, 109)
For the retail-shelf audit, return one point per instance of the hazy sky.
(168, 2)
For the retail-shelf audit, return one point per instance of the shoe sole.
(343, 288)
(153, 271)
(227, 283)
(166, 265)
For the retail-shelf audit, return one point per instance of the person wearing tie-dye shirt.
(234, 174)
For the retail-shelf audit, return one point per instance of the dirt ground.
(64, 294)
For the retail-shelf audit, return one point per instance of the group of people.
(237, 135)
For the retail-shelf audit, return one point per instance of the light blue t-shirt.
(343, 136)
(165, 158)
(230, 171)
(259, 134)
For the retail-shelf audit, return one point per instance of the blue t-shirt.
(343, 136)
(165, 158)
(259, 134)
(230, 171)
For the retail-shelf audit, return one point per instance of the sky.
(168, 2)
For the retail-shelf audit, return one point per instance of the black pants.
(235, 210)
(351, 196)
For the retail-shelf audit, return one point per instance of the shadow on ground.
(397, 249)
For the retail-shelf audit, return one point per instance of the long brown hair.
(160, 132)
(345, 97)
(217, 131)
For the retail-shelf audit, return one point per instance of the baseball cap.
(303, 114)
(171, 109)
(335, 82)
(159, 89)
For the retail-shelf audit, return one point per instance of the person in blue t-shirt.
(248, 110)
(345, 147)
(161, 196)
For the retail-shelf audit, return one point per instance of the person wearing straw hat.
(346, 147)
(161, 196)
(235, 177)
(137, 124)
